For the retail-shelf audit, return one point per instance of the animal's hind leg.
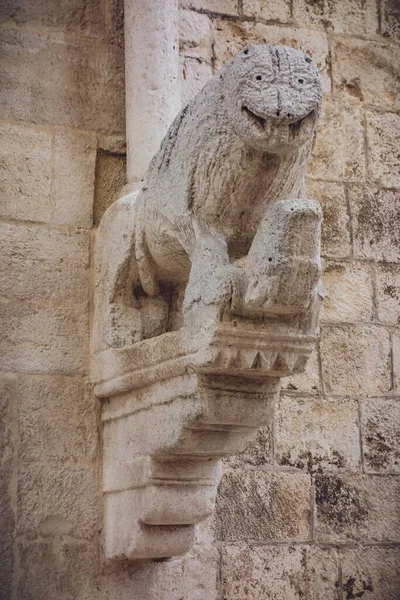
(117, 321)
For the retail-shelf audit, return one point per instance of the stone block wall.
(311, 509)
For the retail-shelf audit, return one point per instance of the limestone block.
(309, 381)
(280, 573)
(253, 505)
(256, 454)
(226, 7)
(231, 36)
(194, 75)
(364, 70)
(277, 10)
(110, 179)
(388, 293)
(338, 151)
(25, 172)
(348, 292)
(74, 173)
(372, 573)
(61, 84)
(396, 360)
(390, 15)
(57, 419)
(195, 35)
(355, 359)
(362, 508)
(7, 510)
(335, 235)
(382, 142)
(355, 17)
(44, 339)
(376, 228)
(70, 16)
(57, 498)
(381, 435)
(43, 264)
(317, 433)
(114, 13)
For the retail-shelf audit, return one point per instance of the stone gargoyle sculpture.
(207, 293)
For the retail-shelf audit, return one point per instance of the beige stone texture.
(74, 174)
(381, 435)
(362, 508)
(396, 360)
(226, 7)
(348, 292)
(110, 179)
(7, 485)
(44, 339)
(57, 498)
(388, 293)
(365, 70)
(256, 454)
(69, 16)
(309, 381)
(47, 81)
(356, 360)
(376, 227)
(357, 17)
(195, 35)
(280, 573)
(25, 173)
(274, 10)
(338, 151)
(371, 573)
(57, 419)
(194, 75)
(231, 37)
(252, 505)
(335, 237)
(317, 434)
(382, 141)
(390, 15)
(45, 263)
(114, 19)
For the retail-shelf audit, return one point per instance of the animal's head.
(273, 97)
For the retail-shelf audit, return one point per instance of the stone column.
(152, 78)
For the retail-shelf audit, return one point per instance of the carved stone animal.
(239, 146)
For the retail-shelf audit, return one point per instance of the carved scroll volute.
(207, 293)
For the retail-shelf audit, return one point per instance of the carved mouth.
(260, 122)
(295, 127)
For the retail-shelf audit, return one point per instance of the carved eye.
(258, 77)
(300, 80)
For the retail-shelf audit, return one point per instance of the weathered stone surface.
(252, 505)
(367, 71)
(57, 419)
(194, 75)
(348, 292)
(388, 293)
(275, 10)
(226, 7)
(356, 508)
(45, 263)
(396, 360)
(7, 509)
(195, 35)
(376, 227)
(25, 173)
(57, 498)
(110, 179)
(356, 17)
(338, 151)
(61, 84)
(256, 454)
(114, 14)
(335, 237)
(44, 339)
(382, 141)
(74, 172)
(69, 16)
(280, 573)
(381, 435)
(356, 360)
(309, 381)
(390, 14)
(371, 573)
(317, 433)
(231, 36)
